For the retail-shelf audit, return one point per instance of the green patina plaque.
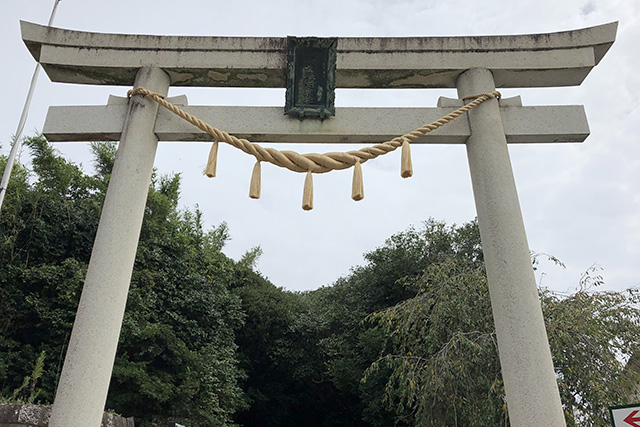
(311, 77)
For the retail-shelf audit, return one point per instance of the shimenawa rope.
(313, 162)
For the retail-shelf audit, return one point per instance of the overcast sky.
(580, 202)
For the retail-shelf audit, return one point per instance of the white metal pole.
(532, 393)
(84, 382)
(23, 119)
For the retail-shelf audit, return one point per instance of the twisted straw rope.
(313, 162)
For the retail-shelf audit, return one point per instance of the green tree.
(177, 356)
(47, 224)
(390, 275)
(441, 352)
(287, 382)
(177, 342)
(443, 359)
(593, 334)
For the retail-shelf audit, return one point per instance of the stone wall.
(22, 415)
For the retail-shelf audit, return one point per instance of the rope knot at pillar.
(494, 94)
(313, 162)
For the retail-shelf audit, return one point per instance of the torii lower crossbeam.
(538, 124)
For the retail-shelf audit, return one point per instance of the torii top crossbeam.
(538, 60)
(556, 59)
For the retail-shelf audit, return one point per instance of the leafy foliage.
(177, 355)
(592, 336)
(46, 232)
(389, 277)
(177, 342)
(29, 384)
(407, 339)
(442, 354)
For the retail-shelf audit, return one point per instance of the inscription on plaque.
(311, 70)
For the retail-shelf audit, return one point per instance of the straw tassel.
(357, 188)
(210, 170)
(254, 188)
(406, 170)
(307, 194)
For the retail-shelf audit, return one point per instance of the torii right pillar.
(529, 378)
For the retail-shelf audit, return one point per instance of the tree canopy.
(406, 339)
(177, 355)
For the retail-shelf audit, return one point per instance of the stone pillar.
(527, 369)
(84, 382)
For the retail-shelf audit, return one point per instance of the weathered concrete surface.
(532, 393)
(553, 59)
(23, 415)
(350, 125)
(84, 382)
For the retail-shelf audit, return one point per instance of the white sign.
(625, 416)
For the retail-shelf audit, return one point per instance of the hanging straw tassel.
(307, 194)
(406, 170)
(210, 170)
(254, 188)
(357, 188)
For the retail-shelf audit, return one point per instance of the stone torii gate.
(473, 65)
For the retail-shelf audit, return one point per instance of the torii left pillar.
(84, 382)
